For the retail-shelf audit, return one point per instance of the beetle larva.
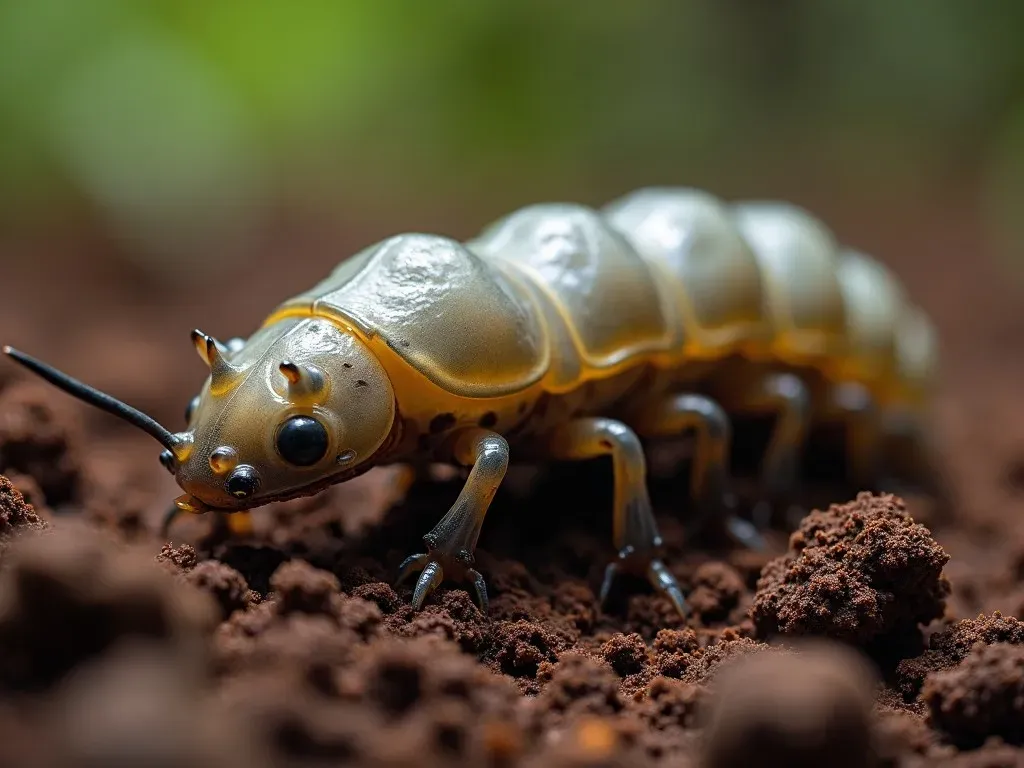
(560, 332)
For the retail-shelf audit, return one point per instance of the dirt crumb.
(301, 588)
(224, 583)
(180, 559)
(950, 646)
(961, 638)
(30, 491)
(136, 707)
(41, 440)
(980, 698)
(784, 708)
(667, 704)
(523, 646)
(900, 736)
(16, 515)
(69, 595)
(707, 661)
(716, 592)
(577, 684)
(856, 572)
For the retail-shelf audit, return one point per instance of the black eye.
(243, 482)
(302, 441)
(167, 459)
(192, 405)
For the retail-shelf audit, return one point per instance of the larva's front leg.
(675, 415)
(635, 532)
(450, 545)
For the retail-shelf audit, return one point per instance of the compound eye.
(192, 405)
(302, 441)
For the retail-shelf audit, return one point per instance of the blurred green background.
(177, 127)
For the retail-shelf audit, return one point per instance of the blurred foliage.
(178, 120)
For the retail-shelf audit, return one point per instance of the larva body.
(562, 332)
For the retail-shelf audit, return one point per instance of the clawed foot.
(653, 569)
(432, 574)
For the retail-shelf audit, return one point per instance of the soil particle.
(782, 708)
(668, 703)
(980, 698)
(31, 493)
(707, 661)
(899, 737)
(68, 595)
(858, 572)
(627, 654)
(135, 707)
(179, 559)
(458, 620)
(716, 593)
(674, 651)
(523, 646)
(42, 440)
(224, 583)
(574, 685)
(950, 646)
(122, 511)
(16, 515)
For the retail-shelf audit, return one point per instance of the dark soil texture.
(881, 631)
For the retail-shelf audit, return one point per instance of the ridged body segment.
(447, 312)
(917, 349)
(799, 265)
(874, 303)
(710, 275)
(598, 289)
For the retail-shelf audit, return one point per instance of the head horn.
(104, 402)
(213, 353)
(303, 381)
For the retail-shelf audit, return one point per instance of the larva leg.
(785, 395)
(635, 532)
(863, 439)
(674, 416)
(451, 543)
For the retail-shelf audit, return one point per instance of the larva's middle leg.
(787, 397)
(451, 543)
(673, 416)
(635, 531)
(863, 433)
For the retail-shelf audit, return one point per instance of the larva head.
(301, 405)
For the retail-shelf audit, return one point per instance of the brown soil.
(290, 647)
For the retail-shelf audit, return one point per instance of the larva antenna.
(98, 399)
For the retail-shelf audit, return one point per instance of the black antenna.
(96, 398)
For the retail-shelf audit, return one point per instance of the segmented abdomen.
(676, 277)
